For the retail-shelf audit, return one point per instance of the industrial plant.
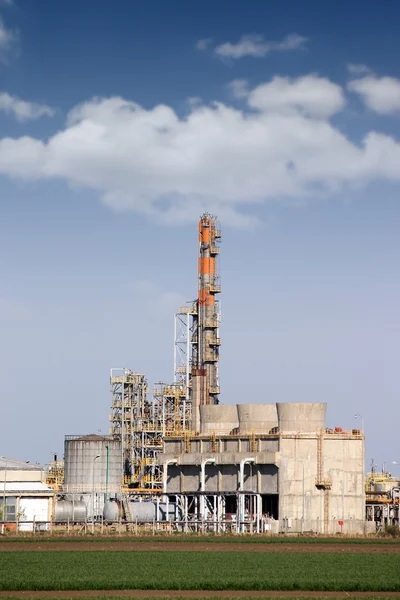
(179, 459)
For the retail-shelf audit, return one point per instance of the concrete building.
(25, 499)
(273, 462)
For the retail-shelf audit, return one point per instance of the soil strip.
(201, 547)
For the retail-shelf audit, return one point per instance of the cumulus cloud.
(355, 69)
(311, 95)
(8, 38)
(22, 110)
(281, 144)
(380, 94)
(239, 88)
(258, 47)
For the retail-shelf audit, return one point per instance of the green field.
(96, 570)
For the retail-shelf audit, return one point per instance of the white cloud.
(21, 109)
(8, 38)
(282, 145)
(355, 69)
(239, 88)
(311, 95)
(258, 47)
(193, 100)
(381, 94)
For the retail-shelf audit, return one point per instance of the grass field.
(94, 570)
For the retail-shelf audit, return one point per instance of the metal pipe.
(244, 461)
(107, 470)
(207, 461)
(94, 462)
(165, 473)
(302, 510)
(4, 494)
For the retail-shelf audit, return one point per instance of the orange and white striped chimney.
(205, 378)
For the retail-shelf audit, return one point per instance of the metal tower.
(196, 349)
(133, 422)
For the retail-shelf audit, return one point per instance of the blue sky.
(119, 124)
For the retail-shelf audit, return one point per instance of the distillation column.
(205, 353)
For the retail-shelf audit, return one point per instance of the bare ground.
(107, 546)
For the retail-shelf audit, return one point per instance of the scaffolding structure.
(173, 411)
(133, 421)
(55, 475)
(382, 492)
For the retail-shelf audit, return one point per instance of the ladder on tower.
(323, 483)
(127, 508)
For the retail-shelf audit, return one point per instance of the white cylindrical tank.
(67, 510)
(303, 417)
(146, 512)
(260, 418)
(83, 471)
(219, 418)
(112, 511)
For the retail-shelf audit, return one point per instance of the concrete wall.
(219, 418)
(22, 475)
(260, 418)
(258, 478)
(301, 416)
(343, 464)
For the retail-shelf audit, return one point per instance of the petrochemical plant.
(182, 460)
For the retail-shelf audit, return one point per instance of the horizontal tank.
(301, 417)
(85, 464)
(112, 511)
(145, 512)
(67, 510)
(219, 418)
(260, 418)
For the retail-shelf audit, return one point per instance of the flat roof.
(13, 464)
(35, 487)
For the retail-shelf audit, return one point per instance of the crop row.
(153, 570)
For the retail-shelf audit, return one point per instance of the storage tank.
(69, 511)
(85, 463)
(303, 417)
(260, 418)
(112, 511)
(219, 418)
(146, 512)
